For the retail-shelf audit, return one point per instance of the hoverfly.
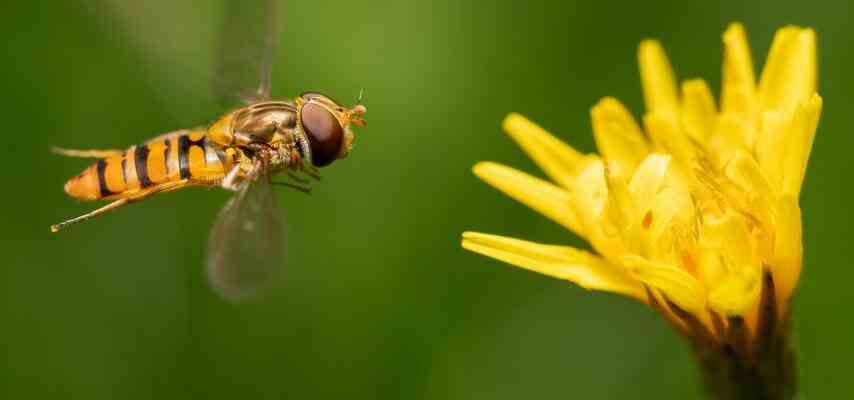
(239, 152)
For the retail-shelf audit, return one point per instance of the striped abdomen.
(170, 158)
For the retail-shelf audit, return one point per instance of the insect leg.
(108, 207)
(229, 182)
(297, 178)
(86, 153)
(298, 186)
(310, 171)
(165, 187)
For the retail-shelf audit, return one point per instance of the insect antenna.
(361, 96)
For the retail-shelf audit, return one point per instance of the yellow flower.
(695, 210)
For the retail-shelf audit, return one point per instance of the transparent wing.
(244, 248)
(245, 51)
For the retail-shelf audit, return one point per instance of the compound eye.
(324, 133)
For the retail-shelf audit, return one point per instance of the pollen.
(647, 220)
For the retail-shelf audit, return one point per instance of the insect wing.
(245, 53)
(244, 248)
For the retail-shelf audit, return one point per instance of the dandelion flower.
(693, 211)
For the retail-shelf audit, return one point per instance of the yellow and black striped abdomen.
(171, 158)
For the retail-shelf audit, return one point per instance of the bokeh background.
(377, 300)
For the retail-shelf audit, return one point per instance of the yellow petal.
(710, 265)
(580, 267)
(672, 209)
(788, 249)
(620, 208)
(557, 159)
(732, 135)
(547, 199)
(663, 205)
(665, 132)
(699, 114)
(744, 172)
(736, 293)
(785, 142)
(678, 285)
(590, 197)
(790, 74)
(618, 136)
(647, 181)
(771, 145)
(728, 234)
(739, 288)
(657, 78)
(799, 144)
(755, 193)
(659, 203)
(619, 199)
(739, 83)
(590, 194)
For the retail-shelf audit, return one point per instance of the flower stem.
(760, 369)
(729, 375)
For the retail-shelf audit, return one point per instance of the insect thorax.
(268, 128)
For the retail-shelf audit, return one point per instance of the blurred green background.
(377, 299)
